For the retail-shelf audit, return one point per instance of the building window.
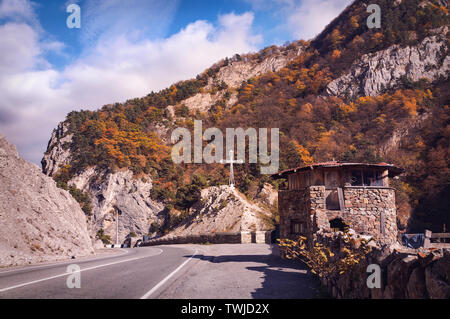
(366, 177)
(297, 227)
(357, 179)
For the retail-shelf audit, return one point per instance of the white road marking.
(162, 282)
(62, 263)
(66, 274)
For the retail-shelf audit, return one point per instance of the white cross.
(231, 161)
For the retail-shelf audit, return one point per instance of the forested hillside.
(405, 123)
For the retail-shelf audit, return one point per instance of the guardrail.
(116, 246)
(441, 239)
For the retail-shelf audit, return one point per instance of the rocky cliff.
(236, 71)
(59, 154)
(119, 194)
(272, 59)
(223, 209)
(39, 221)
(377, 72)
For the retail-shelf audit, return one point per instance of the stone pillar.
(246, 237)
(260, 237)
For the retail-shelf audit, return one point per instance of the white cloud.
(19, 11)
(35, 96)
(119, 69)
(18, 52)
(309, 18)
(303, 19)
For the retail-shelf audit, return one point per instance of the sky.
(126, 49)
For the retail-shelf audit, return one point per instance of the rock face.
(39, 221)
(110, 193)
(268, 195)
(222, 209)
(202, 101)
(403, 130)
(58, 154)
(119, 192)
(237, 72)
(375, 72)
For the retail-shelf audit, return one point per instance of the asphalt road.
(136, 273)
(243, 271)
(247, 271)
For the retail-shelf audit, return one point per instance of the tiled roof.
(393, 170)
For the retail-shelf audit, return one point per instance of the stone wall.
(244, 237)
(372, 212)
(405, 274)
(294, 205)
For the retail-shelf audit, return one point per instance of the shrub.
(160, 194)
(155, 227)
(83, 199)
(321, 259)
(106, 239)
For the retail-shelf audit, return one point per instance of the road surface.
(178, 271)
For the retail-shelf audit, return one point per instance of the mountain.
(352, 93)
(40, 222)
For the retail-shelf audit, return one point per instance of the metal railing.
(436, 240)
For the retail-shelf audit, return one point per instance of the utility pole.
(117, 229)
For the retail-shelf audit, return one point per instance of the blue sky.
(178, 14)
(126, 49)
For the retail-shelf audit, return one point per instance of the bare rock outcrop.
(110, 193)
(375, 72)
(238, 71)
(202, 101)
(120, 193)
(268, 195)
(58, 153)
(222, 209)
(39, 221)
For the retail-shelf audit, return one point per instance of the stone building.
(333, 195)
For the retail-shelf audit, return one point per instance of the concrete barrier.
(244, 237)
(116, 246)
